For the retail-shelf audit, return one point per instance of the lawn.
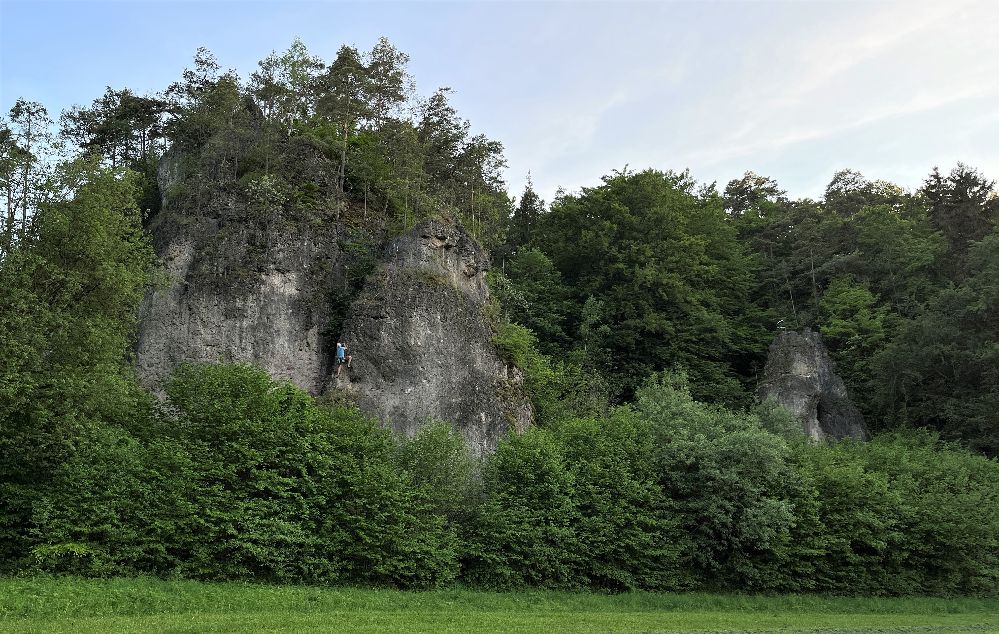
(149, 605)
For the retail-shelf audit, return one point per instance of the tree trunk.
(343, 158)
(24, 183)
(9, 223)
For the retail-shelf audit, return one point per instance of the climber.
(342, 357)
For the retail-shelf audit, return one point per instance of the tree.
(443, 134)
(672, 281)
(343, 99)
(855, 328)
(284, 85)
(898, 255)
(533, 295)
(525, 217)
(68, 300)
(120, 127)
(31, 130)
(388, 82)
(847, 193)
(942, 368)
(627, 530)
(203, 103)
(733, 485)
(12, 160)
(963, 206)
(747, 194)
(523, 533)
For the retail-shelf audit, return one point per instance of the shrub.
(627, 533)
(523, 534)
(115, 507)
(733, 485)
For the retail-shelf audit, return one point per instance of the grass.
(43, 604)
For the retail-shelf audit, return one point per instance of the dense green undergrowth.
(239, 477)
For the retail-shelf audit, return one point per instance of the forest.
(639, 310)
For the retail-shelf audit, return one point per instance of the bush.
(248, 478)
(948, 514)
(626, 529)
(114, 508)
(523, 534)
(733, 485)
(558, 389)
(369, 518)
(440, 466)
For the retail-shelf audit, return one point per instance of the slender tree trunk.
(815, 288)
(343, 157)
(24, 183)
(9, 223)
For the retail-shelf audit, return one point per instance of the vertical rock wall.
(422, 344)
(236, 288)
(244, 287)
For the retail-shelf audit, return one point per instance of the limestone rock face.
(245, 284)
(236, 288)
(799, 375)
(422, 344)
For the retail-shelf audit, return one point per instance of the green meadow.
(49, 604)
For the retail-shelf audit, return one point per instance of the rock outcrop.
(237, 287)
(245, 284)
(421, 342)
(799, 375)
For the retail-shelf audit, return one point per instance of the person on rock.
(342, 357)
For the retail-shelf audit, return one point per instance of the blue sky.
(574, 90)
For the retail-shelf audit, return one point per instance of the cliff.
(421, 341)
(237, 287)
(267, 287)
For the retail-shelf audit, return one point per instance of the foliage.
(286, 490)
(627, 530)
(942, 369)
(733, 484)
(438, 463)
(68, 295)
(531, 291)
(523, 531)
(558, 389)
(670, 279)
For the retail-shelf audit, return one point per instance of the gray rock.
(236, 289)
(800, 376)
(422, 346)
(239, 286)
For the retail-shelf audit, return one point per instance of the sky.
(576, 90)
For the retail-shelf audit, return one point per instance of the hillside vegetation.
(638, 310)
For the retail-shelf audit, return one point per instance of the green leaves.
(285, 490)
(68, 298)
(668, 274)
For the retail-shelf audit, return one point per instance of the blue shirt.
(341, 351)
